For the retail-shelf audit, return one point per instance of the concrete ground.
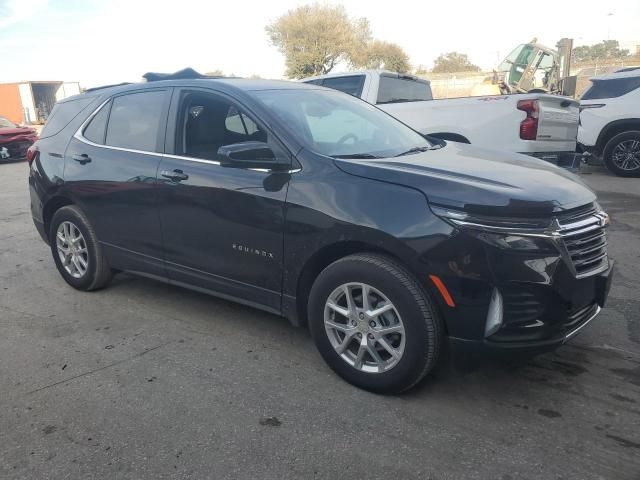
(144, 380)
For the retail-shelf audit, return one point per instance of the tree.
(314, 38)
(380, 54)
(215, 73)
(604, 49)
(454, 62)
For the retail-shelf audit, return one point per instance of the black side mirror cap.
(251, 155)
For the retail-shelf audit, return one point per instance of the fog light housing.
(494, 316)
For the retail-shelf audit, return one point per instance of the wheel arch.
(614, 128)
(318, 262)
(51, 207)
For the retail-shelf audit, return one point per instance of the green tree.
(314, 38)
(380, 54)
(604, 49)
(454, 62)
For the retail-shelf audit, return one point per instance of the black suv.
(311, 204)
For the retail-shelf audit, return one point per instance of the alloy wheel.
(626, 155)
(364, 327)
(72, 249)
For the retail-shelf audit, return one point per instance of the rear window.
(96, 129)
(351, 84)
(612, 88)
(62, 114)
(134, 121)
(395, 89)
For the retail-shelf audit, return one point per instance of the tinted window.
(317, 81)
(210, 122)
(336, 125)
(394, 89)
(135, 120)
(351, 85)
(615, 87)
(63, 113)
(94, 132)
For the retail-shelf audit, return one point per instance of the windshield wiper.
(356, 155)
(414, 150)
(399, 100)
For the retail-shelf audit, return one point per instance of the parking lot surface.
(146, 380)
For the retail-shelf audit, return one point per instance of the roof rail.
(106, 86)
(184, 74)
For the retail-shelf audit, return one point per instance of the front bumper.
(569, 160)
(566, 328)
(15, 149)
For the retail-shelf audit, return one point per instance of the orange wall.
(10, 103)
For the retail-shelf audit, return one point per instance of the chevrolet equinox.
(314, 205)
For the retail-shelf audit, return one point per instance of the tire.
(625, 141)
(97, 273)
(419, 343)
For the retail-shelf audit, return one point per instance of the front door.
(110, 172)
(222, 227)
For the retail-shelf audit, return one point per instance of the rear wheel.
(622, 154)
(373, 323)
(76, 251)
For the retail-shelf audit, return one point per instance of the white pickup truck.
(541, 125)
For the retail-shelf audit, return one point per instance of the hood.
(479, 180)
(13, 131)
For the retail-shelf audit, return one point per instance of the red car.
(15, 140)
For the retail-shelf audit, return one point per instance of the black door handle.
(82, 159)
(175, 175)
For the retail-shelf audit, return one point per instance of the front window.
(208, 122)
(338, 125)
(4, 123)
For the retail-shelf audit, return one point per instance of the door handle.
(82, 159)
(175, 175)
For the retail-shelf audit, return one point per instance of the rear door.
(110, 172)
(222, 226)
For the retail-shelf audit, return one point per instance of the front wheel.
(374, 324)
(622, 154)
(76, 250)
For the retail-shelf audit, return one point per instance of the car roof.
(612, 76)
(227, 84)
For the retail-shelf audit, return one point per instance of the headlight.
(513, 242)
(503, 233)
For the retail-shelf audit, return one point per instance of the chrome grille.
(585, 241)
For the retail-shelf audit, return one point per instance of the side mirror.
(251, 155)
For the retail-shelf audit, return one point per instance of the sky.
(102, 42)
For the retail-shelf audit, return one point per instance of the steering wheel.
(346, 137)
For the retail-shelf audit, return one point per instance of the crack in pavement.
(137, 355)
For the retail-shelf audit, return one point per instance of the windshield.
(339, 125)
(4, 123)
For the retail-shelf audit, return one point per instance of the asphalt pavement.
(147, 381)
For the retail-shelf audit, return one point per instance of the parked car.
(15, 140)
(541, 125)
(610, 121)
(312, 204)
